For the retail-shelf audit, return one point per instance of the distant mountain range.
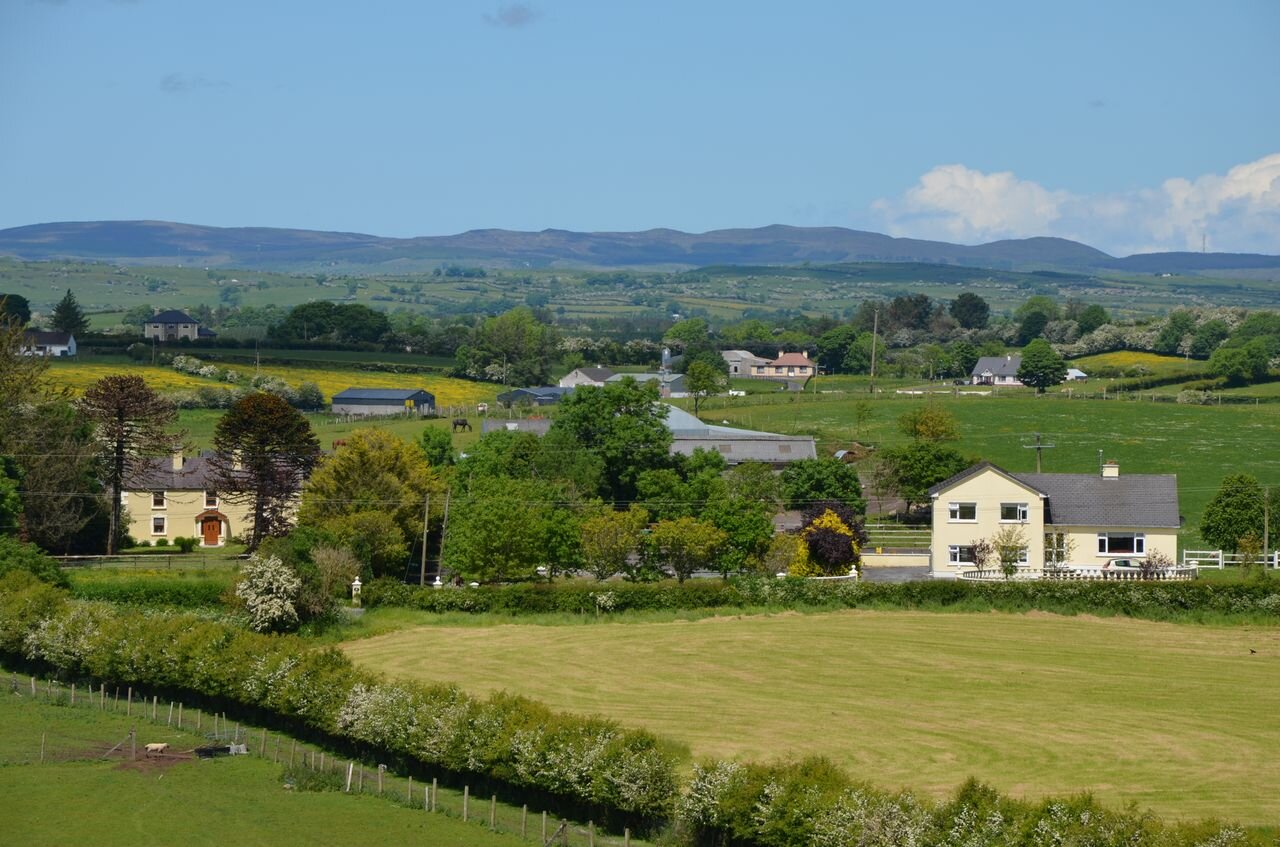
(161, 242)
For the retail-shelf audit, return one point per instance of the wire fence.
(202, 733)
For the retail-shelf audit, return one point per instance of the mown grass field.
(1170, 717)
(1201, 444)
(76, 797)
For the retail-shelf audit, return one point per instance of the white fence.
(1218, 559)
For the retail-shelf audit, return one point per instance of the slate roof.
(597, 374)
(1129, 500)
(736, 445)
(670, 380)
(157, 474)
(998, 366)
(388, 394)
(744, 356)
(537, 393)
(171, 316)
(39, 336)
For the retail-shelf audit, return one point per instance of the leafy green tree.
(131, 425)
(1092, 317)
(1177, 326)
(16, 555)
(624, 426)
(755, 482)
(909, 311)
(506, 529)
(1207, 337)
(970, 310)
(857, 359)
(930, 422)
(1263, 326)
(515, 348)
(373, 537)
(269, 590)
(10, 500)
(437, 447)
(964, 356)
(1031, 327)
(375, 471)
(702, 381)
(1038, 305)
(685, 545)
(323, 320)
(1236, 511)
(610, 538)
(1041, 366)
(809, 480)
(833, 346)
(684, 488)
(910, 470)
(68, 316)
(1240, 365)
(14, 308)
(264, 449)
(137, 316)
(747, 527)
(691, 332)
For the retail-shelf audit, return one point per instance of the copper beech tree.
(264, 450)
(132, 426)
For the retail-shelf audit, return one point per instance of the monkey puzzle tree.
(264, 450)
(131, 423)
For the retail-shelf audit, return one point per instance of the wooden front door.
(210, 529)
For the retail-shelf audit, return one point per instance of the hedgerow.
(180, 592)
(588, 761)
(1151, 600)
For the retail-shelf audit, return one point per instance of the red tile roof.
(793, 359)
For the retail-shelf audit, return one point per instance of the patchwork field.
(1166, 716)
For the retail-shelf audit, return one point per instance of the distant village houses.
(174, 325)
(788, 366)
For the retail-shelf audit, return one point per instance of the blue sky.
(1130, 125)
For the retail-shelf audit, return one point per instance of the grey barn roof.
(388, 394)
(1081, 499)
(598, 374)
(171, 316)
(998, 365)
(736, 445)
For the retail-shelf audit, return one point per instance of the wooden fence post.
(435, 791)
(409, 793)
(626, 837)
(524, 820)
(351, 766)
(133, 743)
(179, 716)
(544, 828)
(591, 834)
(360, 781)
(169, 722)
(33, 686)
(426, 799)
(42, 748)
(155, 701)
(293, 751)
(493, 811)
(275, 755)
(466, 795)
(381, 770)
(73, 693)
(128, 706)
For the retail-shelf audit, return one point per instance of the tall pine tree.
(68, 316)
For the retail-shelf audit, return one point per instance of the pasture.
(1162, 715)
(77, 796)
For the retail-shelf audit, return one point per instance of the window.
(964, 511)
(211, 499)
(1024, 557)
(157, 524)
(157, 499)
(960, 554)
(1013, 512)
(1122, 542)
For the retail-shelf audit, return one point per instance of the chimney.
(779, 354)
(177, 461)
(1111, 470)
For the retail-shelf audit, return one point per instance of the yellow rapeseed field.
(78, 374)
(447, 391)
(1153, 362)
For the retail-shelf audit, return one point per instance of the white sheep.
(156, 749)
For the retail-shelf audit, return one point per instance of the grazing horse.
(461, 423)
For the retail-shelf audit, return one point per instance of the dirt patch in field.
(151, 764)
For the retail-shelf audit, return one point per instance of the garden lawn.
(77, 798)
(1201, 444)
(1171, 717)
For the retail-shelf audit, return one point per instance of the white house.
(37, 342)
(585, 376)
(1064, 519)
(997, 370)
(741, 362)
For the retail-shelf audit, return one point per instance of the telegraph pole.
(875, 328)
(426, 515)
(1038, 447)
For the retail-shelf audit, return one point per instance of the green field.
(77, 797)
(1201, 444)
(1170, 717)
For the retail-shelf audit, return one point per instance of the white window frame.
(1023, 511)
(164, 525)
(955, 551)
(953, 512)
(214, 498)
(1139, 544)
(159, 500)
(1024, 556)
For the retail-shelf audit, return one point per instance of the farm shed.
(383, 401)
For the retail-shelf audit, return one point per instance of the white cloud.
(1239, 211)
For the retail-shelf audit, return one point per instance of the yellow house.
(175, 497)
(1065, 519)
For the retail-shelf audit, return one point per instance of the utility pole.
(1266, 524)
(875, 329)
(422, 568)
(444, 527)
(1038, 447)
